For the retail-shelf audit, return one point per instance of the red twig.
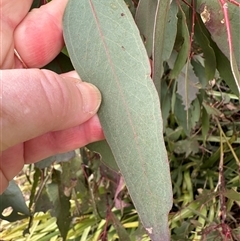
(235, 72)
(226, 230)
(187, 3)
(224, 6)
(193, 24)
(234, 2)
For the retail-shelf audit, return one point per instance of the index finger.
(35, 102)
(38, 38)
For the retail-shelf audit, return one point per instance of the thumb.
(35, 102)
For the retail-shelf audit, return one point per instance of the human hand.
(41, 113)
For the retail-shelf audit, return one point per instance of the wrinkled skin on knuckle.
(56, 97)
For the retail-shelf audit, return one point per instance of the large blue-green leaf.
(106, 49)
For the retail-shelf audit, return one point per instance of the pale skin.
(41, 113)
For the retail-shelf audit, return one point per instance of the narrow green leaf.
(35, 184)
(106, 49)
(224, 68)
(170, 31)
(153, 18)
(173, 135)
(121, 231)
(184, 51)
(159, 36)
(145, 18)
(61, 203)
(181, 115)
(165, 102)
(235, 70)
(211, 110)
(205, 125)
(43, 204)
(232, 194)
(201, 35)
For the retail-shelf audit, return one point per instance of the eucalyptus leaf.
(106, 49)
(225, 36)
(205, 125)
(187, 146)
(159, 42)
(122, 233)
(106, 154)
(145, 19)
(232, 194)
(202, 36)
(187, 120)
(63, 157)
(199, 68)
(224, 68)
(170, 31)
(13, 197)
(60, 64)
(213, 17)
(183, 34)
(187, 85)
(36, 4)
(165, 103)
(61, 203)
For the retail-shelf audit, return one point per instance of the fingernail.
(91, 97)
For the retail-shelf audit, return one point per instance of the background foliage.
(196, 72)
